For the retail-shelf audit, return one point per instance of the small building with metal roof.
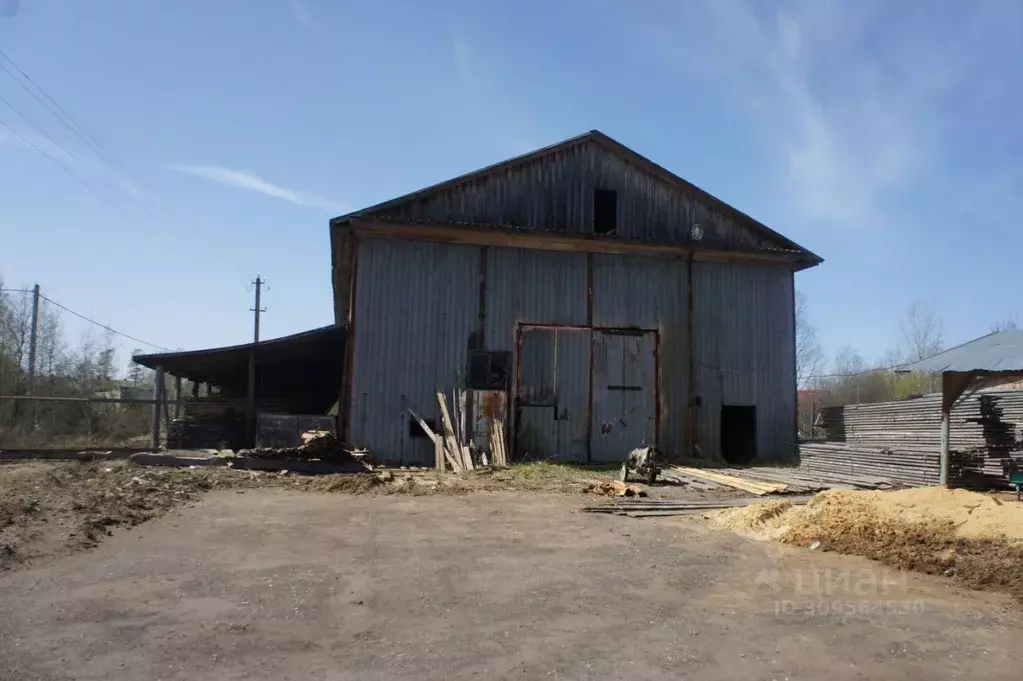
(996, 357)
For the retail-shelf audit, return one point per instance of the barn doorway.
(738, 434)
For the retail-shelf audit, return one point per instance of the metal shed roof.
(998, 351)
(304, 367)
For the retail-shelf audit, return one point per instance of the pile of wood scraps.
(453, 448)
(635, 508)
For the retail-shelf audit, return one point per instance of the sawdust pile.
(973, 538)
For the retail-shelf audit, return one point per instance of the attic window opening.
(605, 211)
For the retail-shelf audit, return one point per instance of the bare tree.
(921, 331)
(809, 356)
(1007, 324)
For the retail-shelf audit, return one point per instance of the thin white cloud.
(851, 111)
(247, 180)
(300, 11)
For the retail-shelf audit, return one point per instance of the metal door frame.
(521, 327)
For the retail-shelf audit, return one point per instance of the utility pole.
(250, 405)
(33, 342)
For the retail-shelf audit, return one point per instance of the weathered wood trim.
(347, 299)
(549, 241)
(342, 260)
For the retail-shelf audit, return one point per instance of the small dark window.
(605, 211)
(416, 430)
(489, 369)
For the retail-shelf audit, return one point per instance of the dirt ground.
(55, 508)
(277, 584)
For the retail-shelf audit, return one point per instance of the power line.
(56, 162)
(69, 122)
(66, 119)
(104, 326)
(73, 155)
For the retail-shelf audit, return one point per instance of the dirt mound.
(973, 538)
(51, 508)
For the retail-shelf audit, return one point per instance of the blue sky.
(884, 136)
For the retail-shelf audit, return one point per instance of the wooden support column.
(953, 385)
(158, 391)
(250, 400)
(195, 388)
(179, 399)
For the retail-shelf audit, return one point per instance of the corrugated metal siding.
(415, 309)
(648, 293)
(743, 345)
(555, 192)
(532, 287)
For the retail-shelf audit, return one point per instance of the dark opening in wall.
(415, 430)
(489, 370)
(605, 211)
(738, 433)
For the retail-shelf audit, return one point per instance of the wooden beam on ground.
(746, 485)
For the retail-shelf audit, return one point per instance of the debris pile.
(453, 448)
(613, 488)
(318, 445)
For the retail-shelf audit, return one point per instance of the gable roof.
(614, 147)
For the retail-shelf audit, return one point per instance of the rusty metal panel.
(743, 346)
(624, 394)
(532, 287)
(415, 309)
(488, 406)
(630, 291)
(553, 394)
(554, 191)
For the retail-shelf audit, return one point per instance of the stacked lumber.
(902, 439)
(498, 454)
(745, 484)
(907, 468)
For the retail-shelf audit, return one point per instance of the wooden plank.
(552, 241)
(731, 481)
(438, 443)
(450, 443)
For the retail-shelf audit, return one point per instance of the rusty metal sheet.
(488, 406)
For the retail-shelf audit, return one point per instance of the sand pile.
(972, 537)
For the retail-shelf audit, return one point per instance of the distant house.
(126, 390)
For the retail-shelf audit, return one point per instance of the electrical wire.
(63, 116)
(69, 122)
(104, 326)
(73, 155)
